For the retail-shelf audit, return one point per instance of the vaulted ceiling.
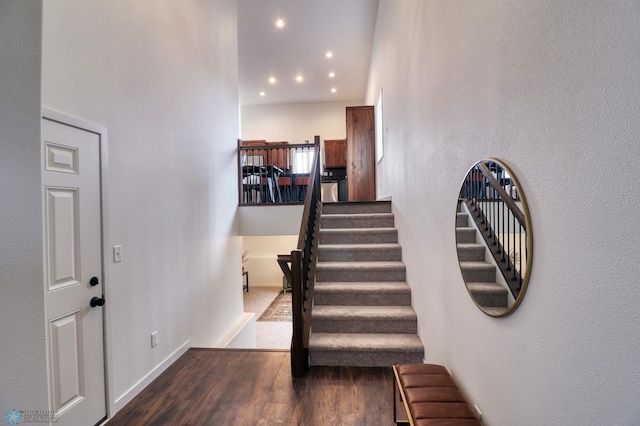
(294, 56)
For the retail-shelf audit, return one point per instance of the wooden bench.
(431, 397)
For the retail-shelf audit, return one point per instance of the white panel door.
(73, 273)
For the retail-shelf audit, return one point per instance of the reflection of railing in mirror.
(493, 199)
(273, 172)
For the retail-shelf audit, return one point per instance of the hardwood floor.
(244, 387)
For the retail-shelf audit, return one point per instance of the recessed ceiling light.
(262, 94)
(329, 54)
(280, 23)
(332, 74)
(272, 80)
(299, 78)
(333, 90)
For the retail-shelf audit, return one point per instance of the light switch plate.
(117, 254)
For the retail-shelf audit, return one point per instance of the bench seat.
(431, 397)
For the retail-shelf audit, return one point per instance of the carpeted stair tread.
(363, 319)
(359, 252)
(360, 271)
(364, 350)
(372, 246)
(373, 293)
(486, 287)
(471, 252)
(358, 235)
(361, 265)
(465, 235)
(365, 286)
(489, 294)
(359, 220)
(495, 311)
(357, 207)
(357, 215)
(477, 271)
(366, 342)
(360, 313)
(462, 220)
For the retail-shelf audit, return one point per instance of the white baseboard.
(241, 335)
(125, 398)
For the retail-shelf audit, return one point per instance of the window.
(302, 160)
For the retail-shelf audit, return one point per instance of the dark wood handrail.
(503, 194)
(314, 176)
(301, 274)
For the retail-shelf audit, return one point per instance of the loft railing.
(273, 172)
(302, 273)
(493, 200)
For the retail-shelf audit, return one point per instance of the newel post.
(297, 295)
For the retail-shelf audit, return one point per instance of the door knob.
(96, 301)
(94, 281)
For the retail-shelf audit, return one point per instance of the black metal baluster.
(514, 250)
(520, 257)
(509, 242)
(490, 196)
(502, 233)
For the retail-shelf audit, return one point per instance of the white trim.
(134, 390)
(101, 131)
(246, 324)
(379, 128)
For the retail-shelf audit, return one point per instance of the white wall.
(553, 89)
(295, 123)
(262, 258)
(161, 76)
(270, 219)
(23, 374)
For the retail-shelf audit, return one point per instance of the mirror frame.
(529, 238)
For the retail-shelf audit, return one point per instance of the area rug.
(279, 309)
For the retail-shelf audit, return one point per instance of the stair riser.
(462, 220)
(479, 275)
(329, 237)
(356, 222)
(466, 235)
(373, 255)
(490, 299)
(356, 208)
(471, 253)
(343, 275)
(363, 359)
(402, 326)
(362, 299)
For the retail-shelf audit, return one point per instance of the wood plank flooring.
(249, 387)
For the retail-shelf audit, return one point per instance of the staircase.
(362, 314)
(478, 274)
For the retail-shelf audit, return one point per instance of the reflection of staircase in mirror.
(478, 274)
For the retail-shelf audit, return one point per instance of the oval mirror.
(493, 237)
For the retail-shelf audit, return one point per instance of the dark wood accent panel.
(248, 387)
(361, 162)
(335, 152)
